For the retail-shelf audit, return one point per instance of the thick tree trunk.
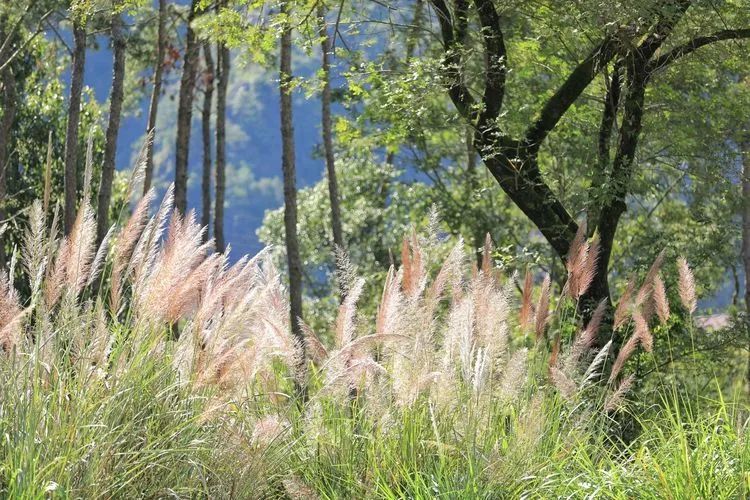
(71, 133)
(113, 128)
(333, 189)
(185, 114)
(208, 80)
(221, 143)
(288, 168)
(8, 82)
(153, 108)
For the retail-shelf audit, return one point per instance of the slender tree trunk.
(288, 169)
(333, 189)
(71, 133)
(153, 108)
(221, 142)
(113, 128)
(208, 80)
(606, 126)
(474, 185)
(7, 79)
(745, 147)
(745, 151)
(185, 114)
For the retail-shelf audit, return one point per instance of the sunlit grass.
(155, 368)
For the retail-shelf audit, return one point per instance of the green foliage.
(41, 116)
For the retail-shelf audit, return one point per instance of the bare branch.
(26, 43)
(11, 32)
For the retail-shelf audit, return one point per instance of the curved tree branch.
(568, 93)
(693, 45)
(669, 14)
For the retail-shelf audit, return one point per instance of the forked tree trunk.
(185, 114)
(221, 141)
(71, 132)
(113, 128)
(289, 173)
(326, 125)
(153, 108)
(208, 80)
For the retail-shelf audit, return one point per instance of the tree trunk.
(113, 128)
(474, 185)
(221, 143)
(745, 153)
(208, 80)
(333, 189)
(288, 169)
(161, 41)
(606, 126)
(185, 114)
(71, 133)
(513, 162)
(7, 79)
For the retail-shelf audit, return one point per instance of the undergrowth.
(148, 365)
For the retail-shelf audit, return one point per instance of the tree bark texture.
(71, 132)
(113, 128)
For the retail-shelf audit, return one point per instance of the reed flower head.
(542, 309)
(526, 313)
(686, 286)
(660, 299)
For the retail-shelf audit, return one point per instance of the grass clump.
(147, 365)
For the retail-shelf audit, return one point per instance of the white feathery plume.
(686, 286)
(592, 372)
(98, 263)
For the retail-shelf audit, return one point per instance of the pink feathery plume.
(642, 331)
(615, 400)
(542, 309)
(622, 312)
(626, 351)
(660, 300)
(526, 313)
